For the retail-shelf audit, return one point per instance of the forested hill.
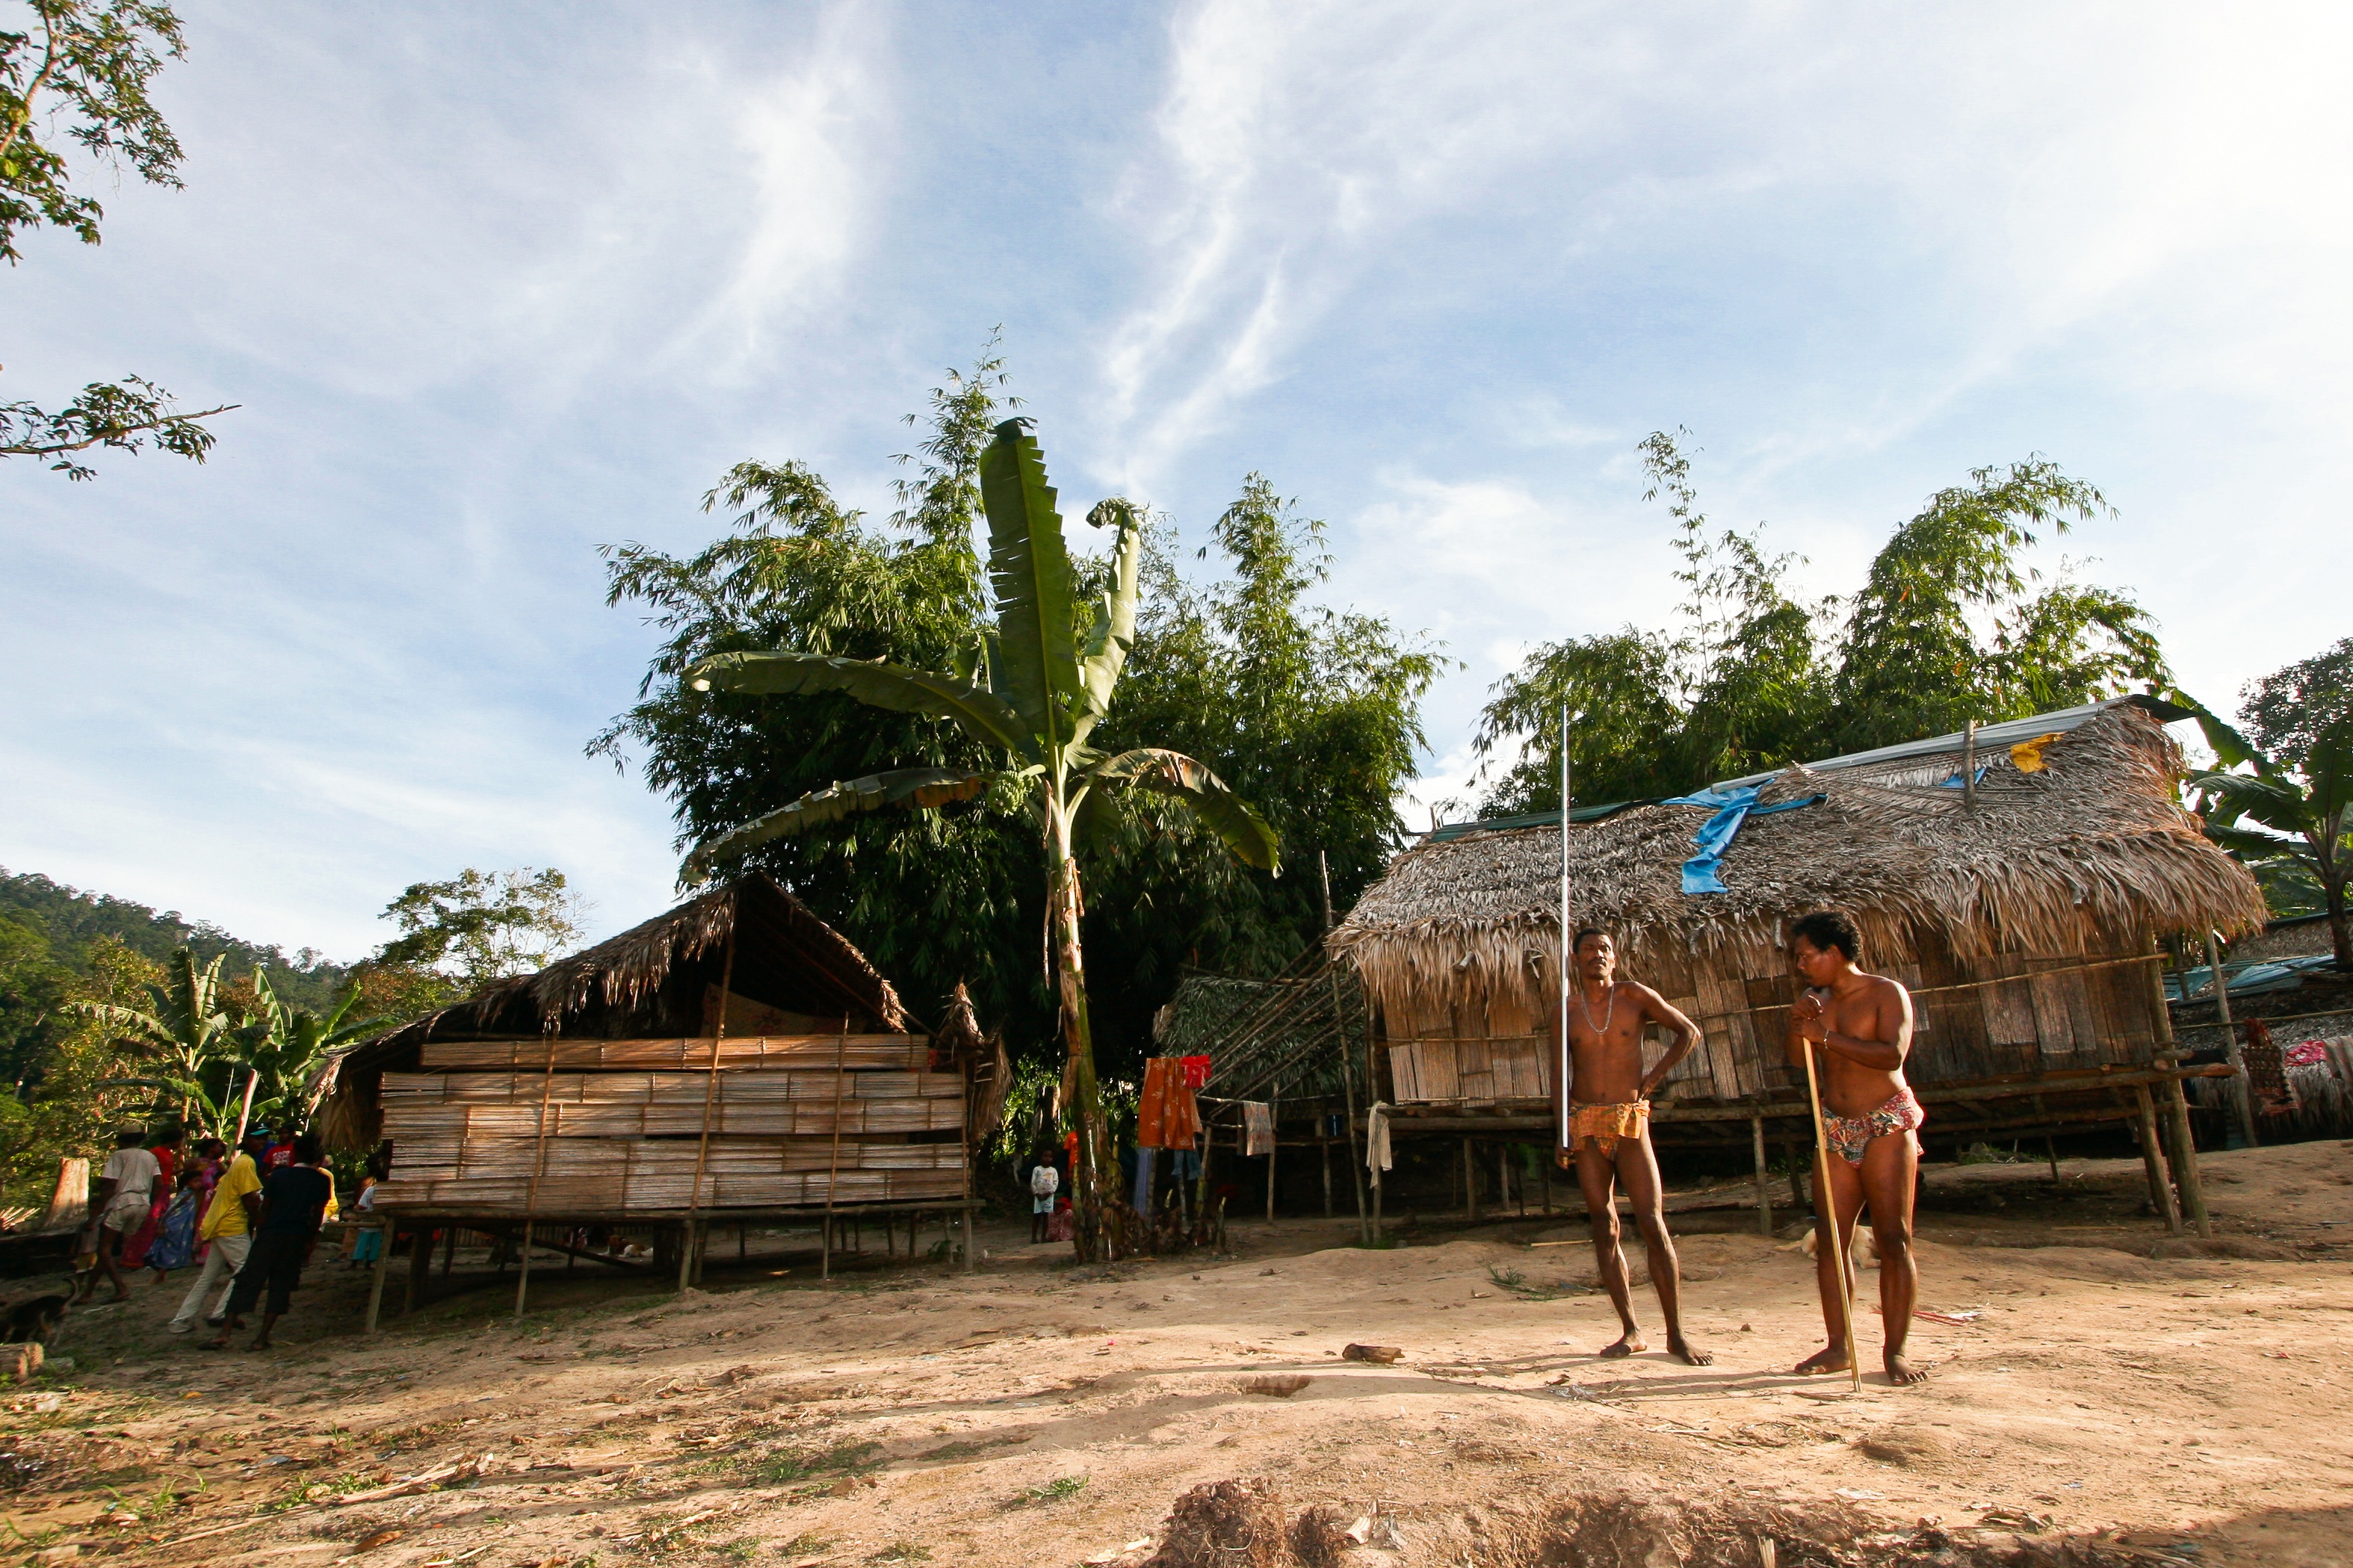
(70, 920)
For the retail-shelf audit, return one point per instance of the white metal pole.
(1561, 1066)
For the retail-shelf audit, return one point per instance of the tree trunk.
(1078, 1039)
(2331, 870)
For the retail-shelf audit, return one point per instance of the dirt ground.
(2121, 1398)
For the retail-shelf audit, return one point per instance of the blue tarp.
(1732, 808)
(2245, 979)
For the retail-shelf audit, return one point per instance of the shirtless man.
(1859, 1027)
(1608, 1114)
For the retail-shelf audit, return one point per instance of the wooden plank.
(761, 1088)
(906, 1052)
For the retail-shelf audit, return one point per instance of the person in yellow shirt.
(227, 1226)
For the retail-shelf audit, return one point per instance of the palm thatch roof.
(1287, 1036)
(652, 979)
(2085, 856)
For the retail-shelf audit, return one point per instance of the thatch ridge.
(2079, 858)
(623, 970)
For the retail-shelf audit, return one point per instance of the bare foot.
(1901, 1372)
(1689, 1353)
(258, 1345)
(1829, 1358)
(1627, 1343)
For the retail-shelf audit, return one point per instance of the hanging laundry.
(1732, 808)
(2027, 755)
(1196, 1071)
(1376, 1140)
(1258, 1127)
(1168, 1116)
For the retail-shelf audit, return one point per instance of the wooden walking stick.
(1823, 1199)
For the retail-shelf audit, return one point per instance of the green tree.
(480, 926)
(76, 81)
(2285, 713)
(183, 1033)
(1735, 686)
(37, 994)
(1309, 713)
(2281, 814)
(1951, 624)
(935, 899)
(1033, 691)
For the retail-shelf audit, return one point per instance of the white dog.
(1866, 1247)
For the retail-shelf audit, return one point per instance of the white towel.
(1376, 1140)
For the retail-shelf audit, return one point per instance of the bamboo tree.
(1034, 689)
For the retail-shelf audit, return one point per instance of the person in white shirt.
(126, 1191)
(1045, 1181)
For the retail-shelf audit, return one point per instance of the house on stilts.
(2017, 877)
(734, 1060)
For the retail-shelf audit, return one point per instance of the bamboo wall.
(1984, 1019)
(583, 1127)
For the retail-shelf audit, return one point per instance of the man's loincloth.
(1850, 1135)
(1605, 1124)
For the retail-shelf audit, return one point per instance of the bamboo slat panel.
(856, 1119)
(402, 1088)
(672, 1191)
(905, 1052)
(469, 1148)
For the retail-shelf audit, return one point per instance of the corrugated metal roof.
(1990, 737)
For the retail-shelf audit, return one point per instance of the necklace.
(1608, 1013)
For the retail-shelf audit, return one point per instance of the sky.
(493, 286)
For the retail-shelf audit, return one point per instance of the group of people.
(254, 1214)
(1849, 1030)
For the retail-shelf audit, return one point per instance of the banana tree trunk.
(1078, 1040)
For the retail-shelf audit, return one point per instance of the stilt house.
(2015, 879)
(736, 1057)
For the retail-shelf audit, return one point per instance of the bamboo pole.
(538, 1167)
(1347, 1072)
(1824, 1198)
(1764, 1175)
(2243, 1104)
(1273, 1146)
(710, 1095)
(2152, 1154)
(833, 1163)
(2185, 1159)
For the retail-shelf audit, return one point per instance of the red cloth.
(1196, 1071)
(1166, 1116)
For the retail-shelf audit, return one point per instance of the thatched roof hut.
(735, 1054)
(2021, 910)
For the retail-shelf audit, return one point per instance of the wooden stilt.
(1273, 1146)
(2051, 1152)
(376, 1286)
(1324, 1151)
(1470, 1184)
(1764, 1178)
(449, 1250)
(522, 1275)
(2185, 1159)
(420, 1266)
(2152, 1154)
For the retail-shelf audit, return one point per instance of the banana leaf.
(1229, 816)
(1037, 666)
(916, 787)
(981, 714)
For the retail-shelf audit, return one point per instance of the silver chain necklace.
(1608, 1013)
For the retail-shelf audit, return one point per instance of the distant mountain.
(70, 920)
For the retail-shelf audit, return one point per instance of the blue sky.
(497, 284)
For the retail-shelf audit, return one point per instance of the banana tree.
(184, 1029)
(1034, 690)
(284, 1044)
(2312, 803)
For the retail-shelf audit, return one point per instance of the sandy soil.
(2192, 1405)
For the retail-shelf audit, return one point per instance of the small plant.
(786, 1466)
(743, 1549)
(902, 1551)
(808, 1543)
(1055, 1490)
(1519, 1285)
